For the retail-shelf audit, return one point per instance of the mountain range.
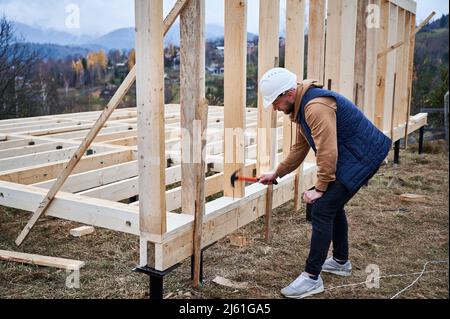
(117, 39)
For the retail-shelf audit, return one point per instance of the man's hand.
(310, 197)
(268, 178)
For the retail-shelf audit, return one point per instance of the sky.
(98, 17)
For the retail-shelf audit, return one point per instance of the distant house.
(108, 92)
(216, 69)
(221, 51)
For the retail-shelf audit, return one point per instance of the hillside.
(431, 65)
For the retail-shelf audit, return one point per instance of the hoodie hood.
(302, 88)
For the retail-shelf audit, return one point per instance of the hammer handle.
(248, 179)
(252, 180)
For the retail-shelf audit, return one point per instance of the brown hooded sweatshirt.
(320, 115)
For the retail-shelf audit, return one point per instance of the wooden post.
(381, 64)
(316, 40)
(401, 72)
(150, 107)
(268, 53)
(410, 74)
(348, 45)
(269, 21)
(333, 45)
(405, 65)
(295, 56)
(390, 68)
(202, 115)
(193, 118)
(192, 91)
(371, 60)
(235, 93)
(361, 55)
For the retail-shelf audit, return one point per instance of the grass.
(398, 237)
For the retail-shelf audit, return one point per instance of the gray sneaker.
(303, 287)
(333, 267)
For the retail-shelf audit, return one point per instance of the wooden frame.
(139, 151)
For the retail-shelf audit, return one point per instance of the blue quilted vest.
(362, 147)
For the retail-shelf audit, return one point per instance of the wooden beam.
(361, 54)
(45, 172)
(62, 263)
(269, 21)
(316, 40)
(192, 91)
(333, 45)
(150, 104)
(401, 71)
(382, 42)
(235, 90)
(84, 210)
(348, 46)
(412, 45)
(295, 57)
(371, 60)
(390, 69)
(202, 115)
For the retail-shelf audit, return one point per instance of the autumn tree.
(131, 59)
(23, 91)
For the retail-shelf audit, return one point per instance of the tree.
(21, 90)
(131, 59)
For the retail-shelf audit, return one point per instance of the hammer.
(235, 177)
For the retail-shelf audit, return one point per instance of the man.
(349, 151)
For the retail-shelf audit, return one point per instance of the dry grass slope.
(399, 237)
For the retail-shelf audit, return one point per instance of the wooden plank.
(403, 107)
(316, 40)
(333, 45)
(82, 231)
(412, 44)
(46, 157)
(361, 54)
(235, 92)
(371, 61)
(382, 41)
(192, 91)
(32, 149)
(38, 260)
(150, 104)
(348, 46)
(45, 172)
(390, 66)
(401, 72)
(84, 210)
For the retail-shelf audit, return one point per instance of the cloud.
(98, 17)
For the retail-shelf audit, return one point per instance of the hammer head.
(234, 178)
